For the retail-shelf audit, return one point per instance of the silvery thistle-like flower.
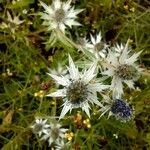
(97, 46)
(122, 68)
(55, 134)
(13, 22)
(59, 15)
(117, 107)
(40, 126)
(78, 89)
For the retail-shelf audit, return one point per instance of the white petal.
(89, 74)
(66, 5)
(90, 47)
(130, 83)
(133, 58)
(98, 38)
(74, 73)
(71, 22)
(93, 99)
(58, 93)
(45, 16)
(98, 87)
(60, 80)
(124, 54)
(102, 54)
(62, 27)
(9, 17)
(86, 108)
(112, 59)
(57, 4)
(104, 110)
(47, 8)
(72, 13)
(50, 141)
(93, 40)
(44, 121)
(109, 72)
(65, 109)
(38, 121)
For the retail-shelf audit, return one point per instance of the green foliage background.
(26, 55)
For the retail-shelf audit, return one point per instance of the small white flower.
(117, 107)
(122, 68)
(13, 22)
(116, 136)
(59, 15)
(55, 134)
(40, 126)
(97, 46)
(78, 89)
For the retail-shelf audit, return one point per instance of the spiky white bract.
(78, 89)
(123, 69)
(58, 71)
(97, 46)
(55, 134)
(40, 126)
(59, 15)
(117, 107)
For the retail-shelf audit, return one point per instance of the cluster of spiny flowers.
(51, 131)
(80, 85)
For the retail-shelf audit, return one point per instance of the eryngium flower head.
(118, 108)
(97, 46)
(55, 134)
(13, 22)
(121, 110)
(59, 15)
(78, 89)
(122, 68)
(40, 126)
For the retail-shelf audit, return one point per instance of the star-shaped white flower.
(79, 89)
(40, 126)
(13, 22)
(59, 15)
(55, 134)
(122, 68)
(97, 46)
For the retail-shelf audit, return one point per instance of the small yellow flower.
(132, 9)
(39, 94)
(87, 123)
(78, 117)
(126, 7)
(8, 72)
(69, 136)
(35, 94)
